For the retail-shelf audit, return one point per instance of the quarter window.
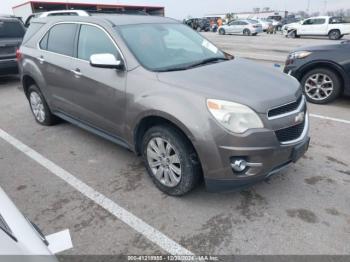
(93, 40)
(61, 39)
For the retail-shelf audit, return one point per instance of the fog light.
(239, 165)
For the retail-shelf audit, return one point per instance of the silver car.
(243, 27)
(18, 236)
(160, 89)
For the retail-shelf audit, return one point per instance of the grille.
(285, 108)
(290, 133)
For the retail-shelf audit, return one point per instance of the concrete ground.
(303, 210)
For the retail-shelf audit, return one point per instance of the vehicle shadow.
(8, 80)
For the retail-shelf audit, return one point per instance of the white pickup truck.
(333, 27)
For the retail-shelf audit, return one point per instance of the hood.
(239, 80)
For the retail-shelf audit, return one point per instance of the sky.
(180, 9)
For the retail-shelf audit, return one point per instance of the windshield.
(162, 47)
(11, 29)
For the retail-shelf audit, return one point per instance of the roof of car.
(114, 19)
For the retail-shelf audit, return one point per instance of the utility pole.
(308, 6)
(325, 7)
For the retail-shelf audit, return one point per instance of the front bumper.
(8, 67)
(274, 160)
(264, 151)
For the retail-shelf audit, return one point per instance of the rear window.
(33, 28)
(11, 29)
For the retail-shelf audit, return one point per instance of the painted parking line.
(119, 212)
(330, 118)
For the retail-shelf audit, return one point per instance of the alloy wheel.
(164, 162)
(37, 106)
(319, 86)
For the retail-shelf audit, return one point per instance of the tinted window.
(93, 40)
(61, 39)
(234, 23)
(319, 21)
(43, 42)
(11, 29)
(33, 28)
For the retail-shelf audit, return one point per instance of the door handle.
(76, 72)
(41, 59)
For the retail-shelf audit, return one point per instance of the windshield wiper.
(207, 61)
(196, 64)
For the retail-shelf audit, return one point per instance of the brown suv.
(160, 89)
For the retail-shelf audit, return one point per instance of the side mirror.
(106, 61)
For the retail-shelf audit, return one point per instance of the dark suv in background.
(324, 71)
(11, 34)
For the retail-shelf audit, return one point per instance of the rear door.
(57, 59)
(99, 93)
(11, 35)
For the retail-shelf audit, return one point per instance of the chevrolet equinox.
(160, 89)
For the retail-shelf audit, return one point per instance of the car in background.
(245, 26)
(56, 13)
(19, 236)
(199, 24)
(333, 27)
(265, 24)
(12, 31)
(324, 71)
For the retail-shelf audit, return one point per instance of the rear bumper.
(8, 67)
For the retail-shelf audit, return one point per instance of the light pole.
(308, 6)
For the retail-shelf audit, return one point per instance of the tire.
(222, 31)
(293, 34)
(334, 35)
(246, 32)
(186, 161)
(39, 107)
(310, 90)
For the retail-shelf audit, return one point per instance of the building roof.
(87, 4)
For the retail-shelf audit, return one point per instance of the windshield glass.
(162, 47)
(11, 29)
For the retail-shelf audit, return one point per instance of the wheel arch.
(327, 65)
(150, 119)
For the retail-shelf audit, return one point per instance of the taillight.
(18, 54)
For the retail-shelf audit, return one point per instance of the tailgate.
(8, 48)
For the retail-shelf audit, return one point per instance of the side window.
(61, 39)
(243, 23)
(93, 40)
(43, 42)
(234, 23)
(319, 21)
(309, 22)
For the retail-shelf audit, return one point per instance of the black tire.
(222, 31)
(246, 32)
(337, 85)
(334, 34)
(49, 119)
(190, 167)
(293, 34)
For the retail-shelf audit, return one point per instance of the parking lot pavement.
(264, 47)
(304, 210)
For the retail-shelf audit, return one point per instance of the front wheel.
(222, 31)
(170, 160)
(321, 86)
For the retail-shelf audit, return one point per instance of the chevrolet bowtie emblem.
(299, 118)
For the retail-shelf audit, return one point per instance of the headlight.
(234, 117)
(299, 54)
